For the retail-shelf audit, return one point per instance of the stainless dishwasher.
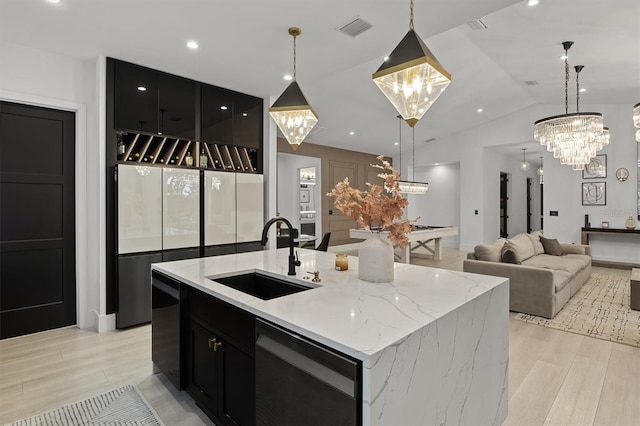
(300, 382)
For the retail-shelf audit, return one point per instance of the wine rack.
(162, 150)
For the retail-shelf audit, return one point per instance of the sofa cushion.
(538, 248)
(551, 246)
(570, 263)
(560, 280)
(490, 252)
(510, 254)
(523, 246)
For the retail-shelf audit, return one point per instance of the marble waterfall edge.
(448, 372)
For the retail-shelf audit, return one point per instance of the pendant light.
(540, 172)
(412, 78)
(636, 120)
(573, 138)
(292, 113)
(524, 164)
(406, 186)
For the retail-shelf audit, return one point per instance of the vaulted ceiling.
(244, 45)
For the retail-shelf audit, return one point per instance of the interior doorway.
(504, 204)
(37, 219)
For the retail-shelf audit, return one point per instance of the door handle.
(214, 344)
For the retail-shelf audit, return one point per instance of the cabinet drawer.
(232, 323)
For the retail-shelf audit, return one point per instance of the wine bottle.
(203, 159)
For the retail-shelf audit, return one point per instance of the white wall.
(45, 79)
(440, 206)
(562, 191)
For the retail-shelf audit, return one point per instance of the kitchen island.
(433, 344)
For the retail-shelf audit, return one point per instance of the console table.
(609, 231)
(588, 231)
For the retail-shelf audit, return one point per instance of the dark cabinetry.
(221, 371)
(150, 101)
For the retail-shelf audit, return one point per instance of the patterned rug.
(600, 309)
(124, 406)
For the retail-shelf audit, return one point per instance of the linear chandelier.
(573, 138)
(411, 78)
(636, 120)
(291, 111)
(407, 186)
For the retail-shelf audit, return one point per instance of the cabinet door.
(136, 98)
(219, 208)
(134, 289)
(139, 209)
(250, 207)
(177, 106)
(247, 121)
(204, 375)
(180, 208)
(217, 115)
(238, 386)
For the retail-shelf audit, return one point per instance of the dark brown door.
(37, 219)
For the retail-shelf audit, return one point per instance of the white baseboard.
(105, 323)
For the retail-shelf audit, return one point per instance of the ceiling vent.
(430, 140)
(355, 27)
(477, 24)
(531, 83)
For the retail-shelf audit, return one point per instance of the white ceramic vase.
(630, 223)
(375, 260)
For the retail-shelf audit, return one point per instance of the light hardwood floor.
(554, 377)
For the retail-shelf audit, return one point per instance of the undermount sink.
(261, 286)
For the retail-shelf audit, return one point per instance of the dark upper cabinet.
(154, 102)
(136, 98)
(177, 106)
(247, 121)
(217, 115)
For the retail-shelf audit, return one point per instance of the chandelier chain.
(294, 58)
(413, 153)
(566, 82)
(577, 90)
(411, 16)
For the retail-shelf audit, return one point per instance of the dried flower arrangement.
(379, 208)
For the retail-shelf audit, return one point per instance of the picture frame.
(304, 196)
(594, 193)
(597, 168)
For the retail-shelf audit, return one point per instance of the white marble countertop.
(355, 317)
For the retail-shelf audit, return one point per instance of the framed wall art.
(597, 168)
(594, 193)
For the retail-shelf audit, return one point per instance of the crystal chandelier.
(407, 186)
(636, 120)
(411, 78)
(573, 138)
(291, 111)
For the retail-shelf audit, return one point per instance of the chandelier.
(573, 138)
(636, 120)
(407, 186)
(411, 78)
(291, 111)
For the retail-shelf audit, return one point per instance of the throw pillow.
(551, 246)
(489, 252)
(523, 245)
(510, 254)
(535, 240)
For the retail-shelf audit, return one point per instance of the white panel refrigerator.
(250, 207)
(219, 208)
(180, 208)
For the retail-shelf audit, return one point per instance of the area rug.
(123, 406)
(600, 309)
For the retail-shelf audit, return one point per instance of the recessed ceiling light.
(532, 2)
(53, 1)
(480, 110)
(396, 143)
(223, 107)
(386, 58)
(436, 164)
(288, 77)
(582, 89)
(192, 44)
(352, 133)
(142, 88)
(244, 114)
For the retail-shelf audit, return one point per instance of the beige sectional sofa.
(542, 283)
